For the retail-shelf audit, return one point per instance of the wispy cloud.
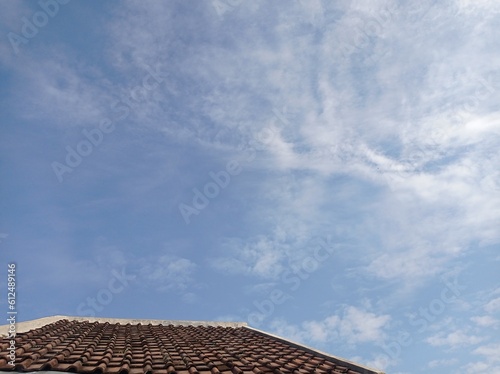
(493, 306)
(262, 257)
(443, 363)
(454, 339)
(353, 326)
(486, 321)
(383, 129)
(167, 273)
(491, 363)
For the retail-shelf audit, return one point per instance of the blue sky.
(325, 171)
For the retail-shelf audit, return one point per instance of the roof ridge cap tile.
(26, 326)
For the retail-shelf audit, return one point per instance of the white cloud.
(493, 306)
(480, 367)
(491, 363)
(406, 264)
(168, 272)
(289, 331)
(490, 351)
(263, 257)
(455, 339)
(485, 321)
(471, 6)
(380, 362)
(442, 362)
(353, 326)
(362, 326)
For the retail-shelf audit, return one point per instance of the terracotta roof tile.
(102, 347)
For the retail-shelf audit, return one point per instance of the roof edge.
(39, 322)
(351, 365)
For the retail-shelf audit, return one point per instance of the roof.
(103, 345)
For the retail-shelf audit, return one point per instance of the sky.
(327, 171)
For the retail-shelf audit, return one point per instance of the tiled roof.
(101, 347)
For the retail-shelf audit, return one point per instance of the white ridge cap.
(36, 323)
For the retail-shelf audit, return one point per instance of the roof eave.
(342, 361)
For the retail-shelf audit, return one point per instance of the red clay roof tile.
(102, 347)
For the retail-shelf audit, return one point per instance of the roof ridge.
(39, 322)
(239, 334)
